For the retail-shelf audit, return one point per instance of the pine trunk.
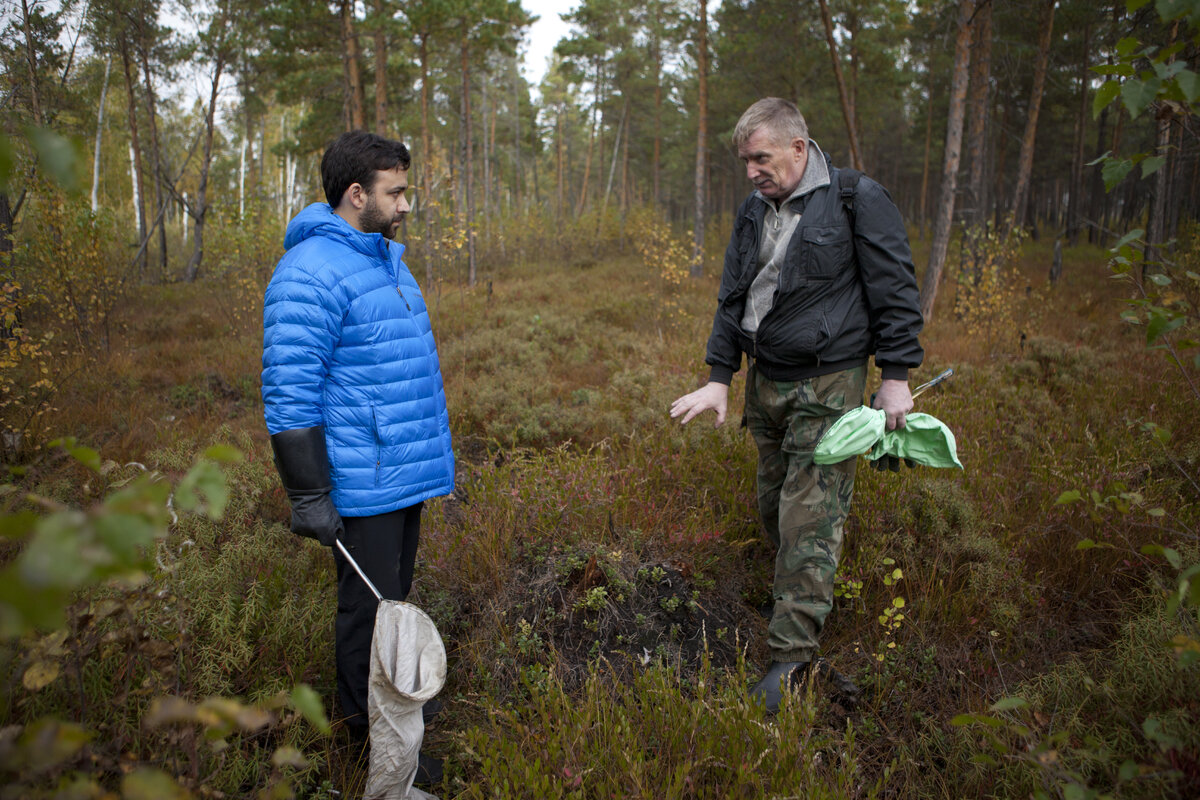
(160, 196)
(697, 268)
(1025, 162)
(953, 154)
(381, 104)
(981, 68)
(355, 119)
(1075, 191)
(468, 158)
(843, 95)
(426, 208)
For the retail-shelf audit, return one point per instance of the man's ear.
(355, 196)
(800, 145)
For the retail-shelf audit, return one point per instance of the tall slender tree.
(953, 153)
(1020, 201)
(697, 268)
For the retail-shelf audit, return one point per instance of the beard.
(372, 220)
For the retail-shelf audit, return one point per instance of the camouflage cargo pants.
(803, 505)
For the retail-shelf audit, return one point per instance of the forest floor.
(600, 580)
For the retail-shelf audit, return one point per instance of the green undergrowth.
(600, 580)
(1121, 722)
(661, 734)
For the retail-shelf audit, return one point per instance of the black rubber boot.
(430, 710)
(844, 690)
(429, 771)
(781, 677)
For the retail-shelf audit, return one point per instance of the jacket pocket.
(828, 249)
(378, 442)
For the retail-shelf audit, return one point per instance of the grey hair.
(779, 116)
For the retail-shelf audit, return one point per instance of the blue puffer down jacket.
(347, 344)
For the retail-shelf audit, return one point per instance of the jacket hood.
(319, 219)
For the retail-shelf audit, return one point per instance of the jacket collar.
(318, 219)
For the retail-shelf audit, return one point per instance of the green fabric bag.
(925, 439)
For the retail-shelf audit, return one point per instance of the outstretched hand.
(712, 395)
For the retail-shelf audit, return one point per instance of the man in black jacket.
(818, 277)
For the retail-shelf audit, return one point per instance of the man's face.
(386, 204)
(775, 169)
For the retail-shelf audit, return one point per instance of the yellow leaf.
(40, 675)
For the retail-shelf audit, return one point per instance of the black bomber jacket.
(847, 290)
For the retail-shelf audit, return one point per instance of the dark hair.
(355, 157)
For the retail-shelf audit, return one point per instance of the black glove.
(303, 466)
(891, 463)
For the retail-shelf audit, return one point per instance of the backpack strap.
(847, 183)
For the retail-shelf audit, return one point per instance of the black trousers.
(385, 547)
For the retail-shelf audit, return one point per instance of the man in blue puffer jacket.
(353, 391)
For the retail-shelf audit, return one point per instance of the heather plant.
(663, 734)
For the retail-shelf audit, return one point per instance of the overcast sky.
(542, 35)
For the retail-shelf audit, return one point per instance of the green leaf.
(224, 454)
(1189, 84)
(1129, 770)
(1108, 92)
(1138, 95)
(56, 156)
(1114, 171)
(1159, 278)
(86, 456)
(1127, 46)
(308, 703)
(1160, 324)
(17, 525)
(1167, 71)
(8, 162)
(1152, 165)
(1073, 791)
(962, 720)
(1009, 703)
(1173, 557)
(1070, 496)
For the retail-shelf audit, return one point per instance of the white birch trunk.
(290, 192)
(99, 131)
(137, 206)
(242, 182)
(184, 217)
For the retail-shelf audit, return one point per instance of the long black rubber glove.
(303, 466)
